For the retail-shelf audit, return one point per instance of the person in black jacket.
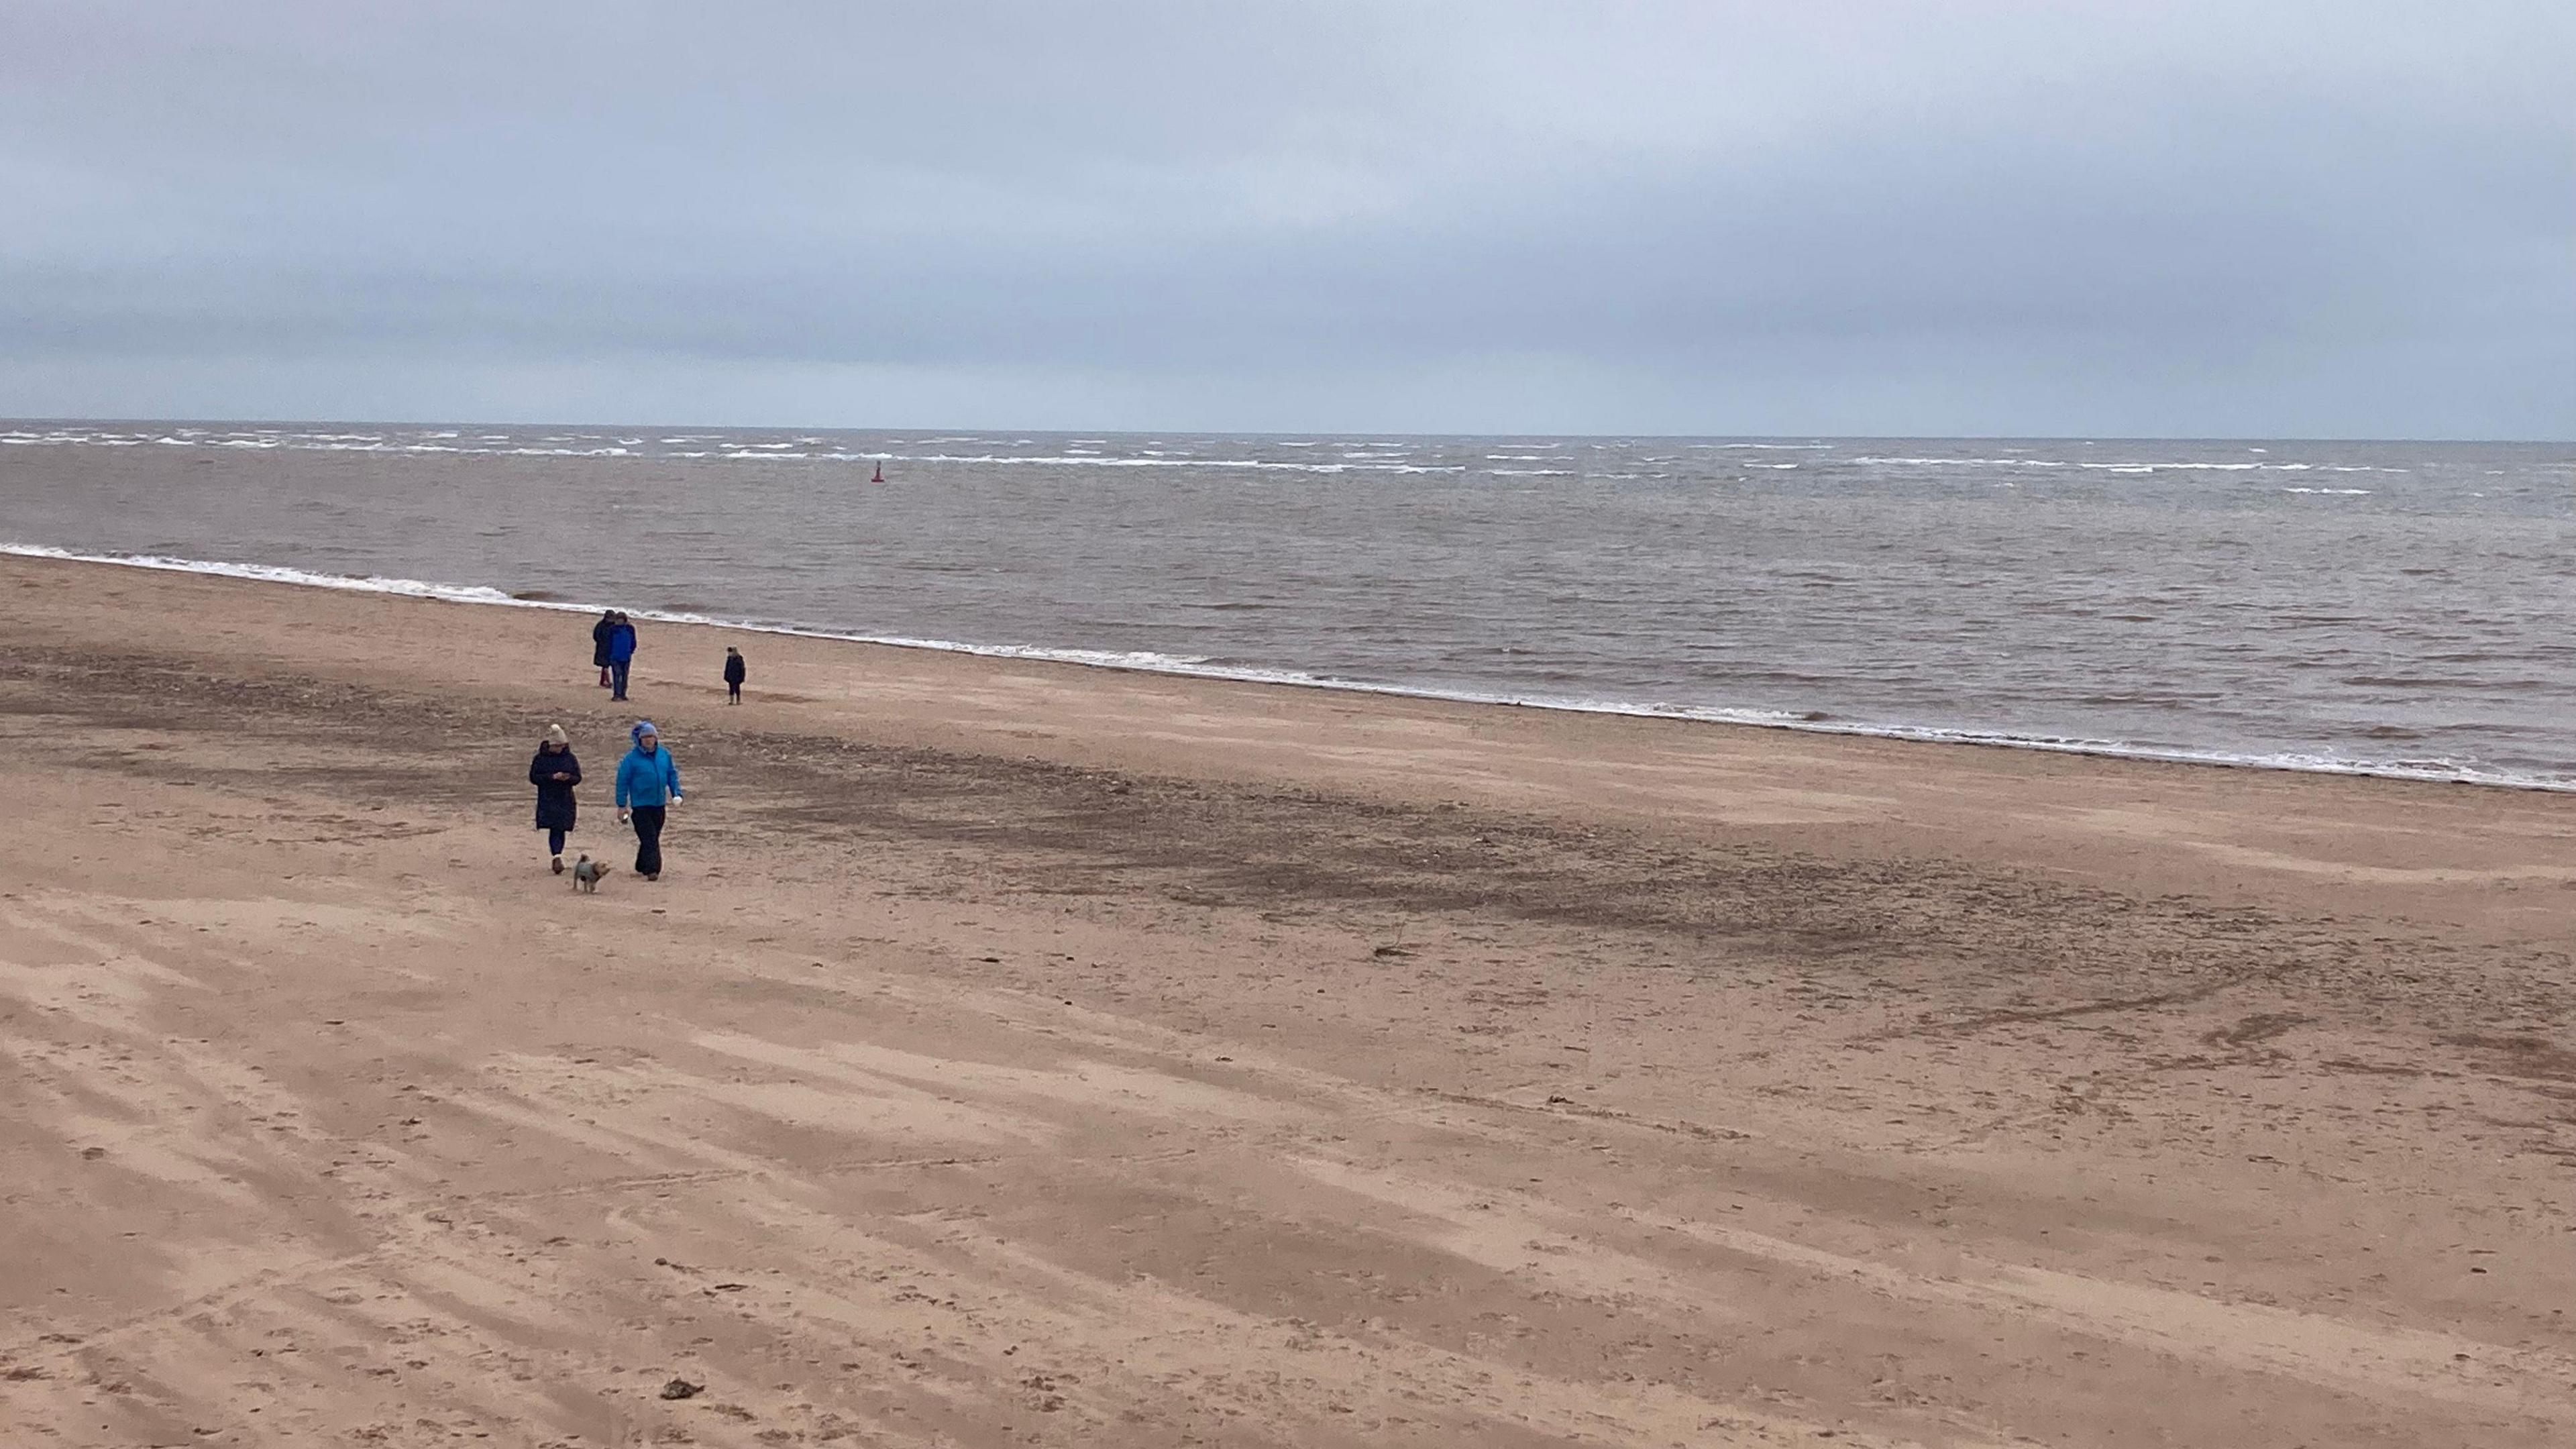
(599, 644)
(734, 674)
(555, 772)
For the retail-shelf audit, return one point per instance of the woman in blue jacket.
(648, 782)
(555, 772)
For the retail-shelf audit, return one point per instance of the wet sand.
(1024, 1054)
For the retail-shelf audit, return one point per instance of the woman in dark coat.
(555, 772)
(599, 633)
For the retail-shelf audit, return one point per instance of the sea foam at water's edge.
(1146, 661)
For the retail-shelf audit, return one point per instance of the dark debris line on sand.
(1916, 927)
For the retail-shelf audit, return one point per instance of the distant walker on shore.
(599, 633)
(621, 654)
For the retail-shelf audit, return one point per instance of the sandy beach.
(1027, 1054)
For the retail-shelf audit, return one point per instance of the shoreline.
(1017, 1052)
(2484, 862)
(1147, 662)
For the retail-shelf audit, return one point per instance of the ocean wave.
(1150, 662)
(1961, 462)
(2156, 466)
(309, 443)
(723, 452)
(281, 574)
(1071, 460)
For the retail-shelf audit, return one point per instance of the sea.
(2365, 607)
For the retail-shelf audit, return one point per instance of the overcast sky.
(2164, 217)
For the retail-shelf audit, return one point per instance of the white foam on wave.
(569, 446)
(2183, 467)
(1078, 460)
(2137, 468)
(62, 439)
(281, 574)
(1961, 462)
(1149, 662)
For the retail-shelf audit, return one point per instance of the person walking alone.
(555, 772)
(734, 675)
(621, 654)
(648, 783)
(599, 643)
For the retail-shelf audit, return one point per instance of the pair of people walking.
(612, 648)
(648, 784)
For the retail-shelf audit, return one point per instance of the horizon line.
(1197, 432)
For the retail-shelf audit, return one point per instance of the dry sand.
(1020, 1054)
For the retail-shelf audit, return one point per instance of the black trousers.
(648, 839)
(617, 678)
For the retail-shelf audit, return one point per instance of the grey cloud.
(1687, 217)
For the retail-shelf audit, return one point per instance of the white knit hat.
(555, 735)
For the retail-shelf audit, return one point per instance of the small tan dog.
(587, 874)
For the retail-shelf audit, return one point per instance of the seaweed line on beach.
(1950, 946)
